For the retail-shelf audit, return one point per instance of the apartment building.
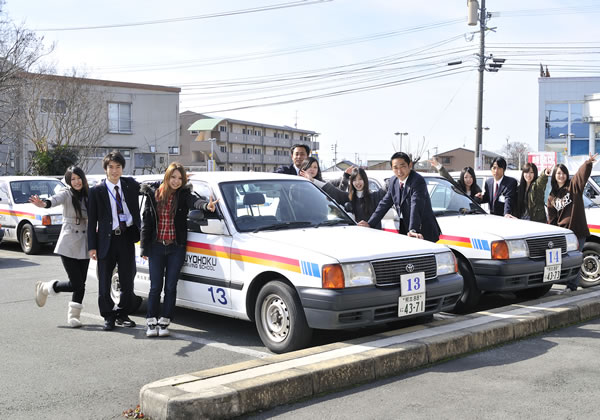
(140, 120)
(237, 145)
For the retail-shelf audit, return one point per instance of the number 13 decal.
(218, 295)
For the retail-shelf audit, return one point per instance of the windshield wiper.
(471, 211)
(333, 222)
(284, 225)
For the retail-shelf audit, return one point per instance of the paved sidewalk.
(234, 390)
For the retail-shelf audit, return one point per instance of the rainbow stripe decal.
(311, 269)
(24, 214)
(260, 258)
(594, 228)
(464, 242)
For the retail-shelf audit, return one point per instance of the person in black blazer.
(300, 153)
(501, 199)
(408, 193)
(113, 229)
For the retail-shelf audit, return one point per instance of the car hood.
(502, 227)
(351, 243)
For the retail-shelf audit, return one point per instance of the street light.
(401, 134)
(212, 153)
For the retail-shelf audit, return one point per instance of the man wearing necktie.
(500, 191)
(113, 229)
(407, 192)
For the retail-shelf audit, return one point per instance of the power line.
(187, 18)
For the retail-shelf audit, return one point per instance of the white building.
(141, 121)
(569, 115)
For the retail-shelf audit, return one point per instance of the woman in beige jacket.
(71, 244)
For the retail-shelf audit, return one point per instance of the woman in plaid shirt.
(164, 239)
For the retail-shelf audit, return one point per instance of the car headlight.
(515, 248)
(358, 274)
(446, 263)
(56, 220)
(572, 242)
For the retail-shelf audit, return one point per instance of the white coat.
(72, 241)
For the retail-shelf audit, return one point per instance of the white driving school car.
(279, 252)
(496, 253)
(23, 222)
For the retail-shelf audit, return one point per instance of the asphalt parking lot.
(53, 371)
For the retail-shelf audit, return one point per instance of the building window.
(222, 128)
(221, 168)
(286, 136)
(257, 133)
(161, 159)
(126, 153)
(244, 131)
(119, 118)
(195, 132)
(173, 150)
(257, 151)
(223, 149)
(53, 106)
(445, 159)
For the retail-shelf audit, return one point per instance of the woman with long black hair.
(71, 244)
(565, 203)
(530, 194)
(467, 181)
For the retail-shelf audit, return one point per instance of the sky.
(223, 61)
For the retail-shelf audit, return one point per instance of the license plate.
(412, 304)
(552, 273)
(553, 256)
(412, 294)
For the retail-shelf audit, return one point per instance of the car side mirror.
(196, 220)
(348, 207)
(214, 227)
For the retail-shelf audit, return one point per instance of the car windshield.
(44, 188)
(280, 205)
(446, 200)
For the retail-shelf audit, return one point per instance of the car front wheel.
(590, 269)
(280, 318)
(28, 240)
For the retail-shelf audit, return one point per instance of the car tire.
(280, 319)
(28, 240)
(534, 292)
(590, 268)
(471, 293)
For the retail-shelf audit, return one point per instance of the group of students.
(104, 223)
(407, 192)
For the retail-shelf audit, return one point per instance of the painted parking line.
(205, 384)
(198, 340)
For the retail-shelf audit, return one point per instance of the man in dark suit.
(408, 193)
(500, 191)
(300, 153)
(113, 229)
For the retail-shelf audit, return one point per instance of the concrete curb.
(242, 388)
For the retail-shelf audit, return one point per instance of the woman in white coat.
(71, 244)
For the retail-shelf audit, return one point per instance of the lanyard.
(119, 204)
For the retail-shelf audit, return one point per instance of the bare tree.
(20, 51)
(515, 152)
(65, 111)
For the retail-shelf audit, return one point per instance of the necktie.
(122, 223)
(496, 193)
(401, 185)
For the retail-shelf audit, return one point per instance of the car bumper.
(521, 273)
(47, 234)
(332, 309)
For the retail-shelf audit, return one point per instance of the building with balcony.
(457, 159)
(237, 145)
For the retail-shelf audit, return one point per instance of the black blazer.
(100, 215)
(286, 169)
(506, 199)
(413, 203)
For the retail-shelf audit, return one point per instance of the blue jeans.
(165, 263)
(573, 284)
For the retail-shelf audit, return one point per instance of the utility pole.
(482, 26)
(334, 150)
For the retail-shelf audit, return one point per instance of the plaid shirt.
(166, 223)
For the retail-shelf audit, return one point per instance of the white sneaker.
(152, 330)
(163, 330)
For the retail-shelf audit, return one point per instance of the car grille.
(387, 272)
(538, 246)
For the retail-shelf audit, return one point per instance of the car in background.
(1, 233)
(23, 222)
(300, 263)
